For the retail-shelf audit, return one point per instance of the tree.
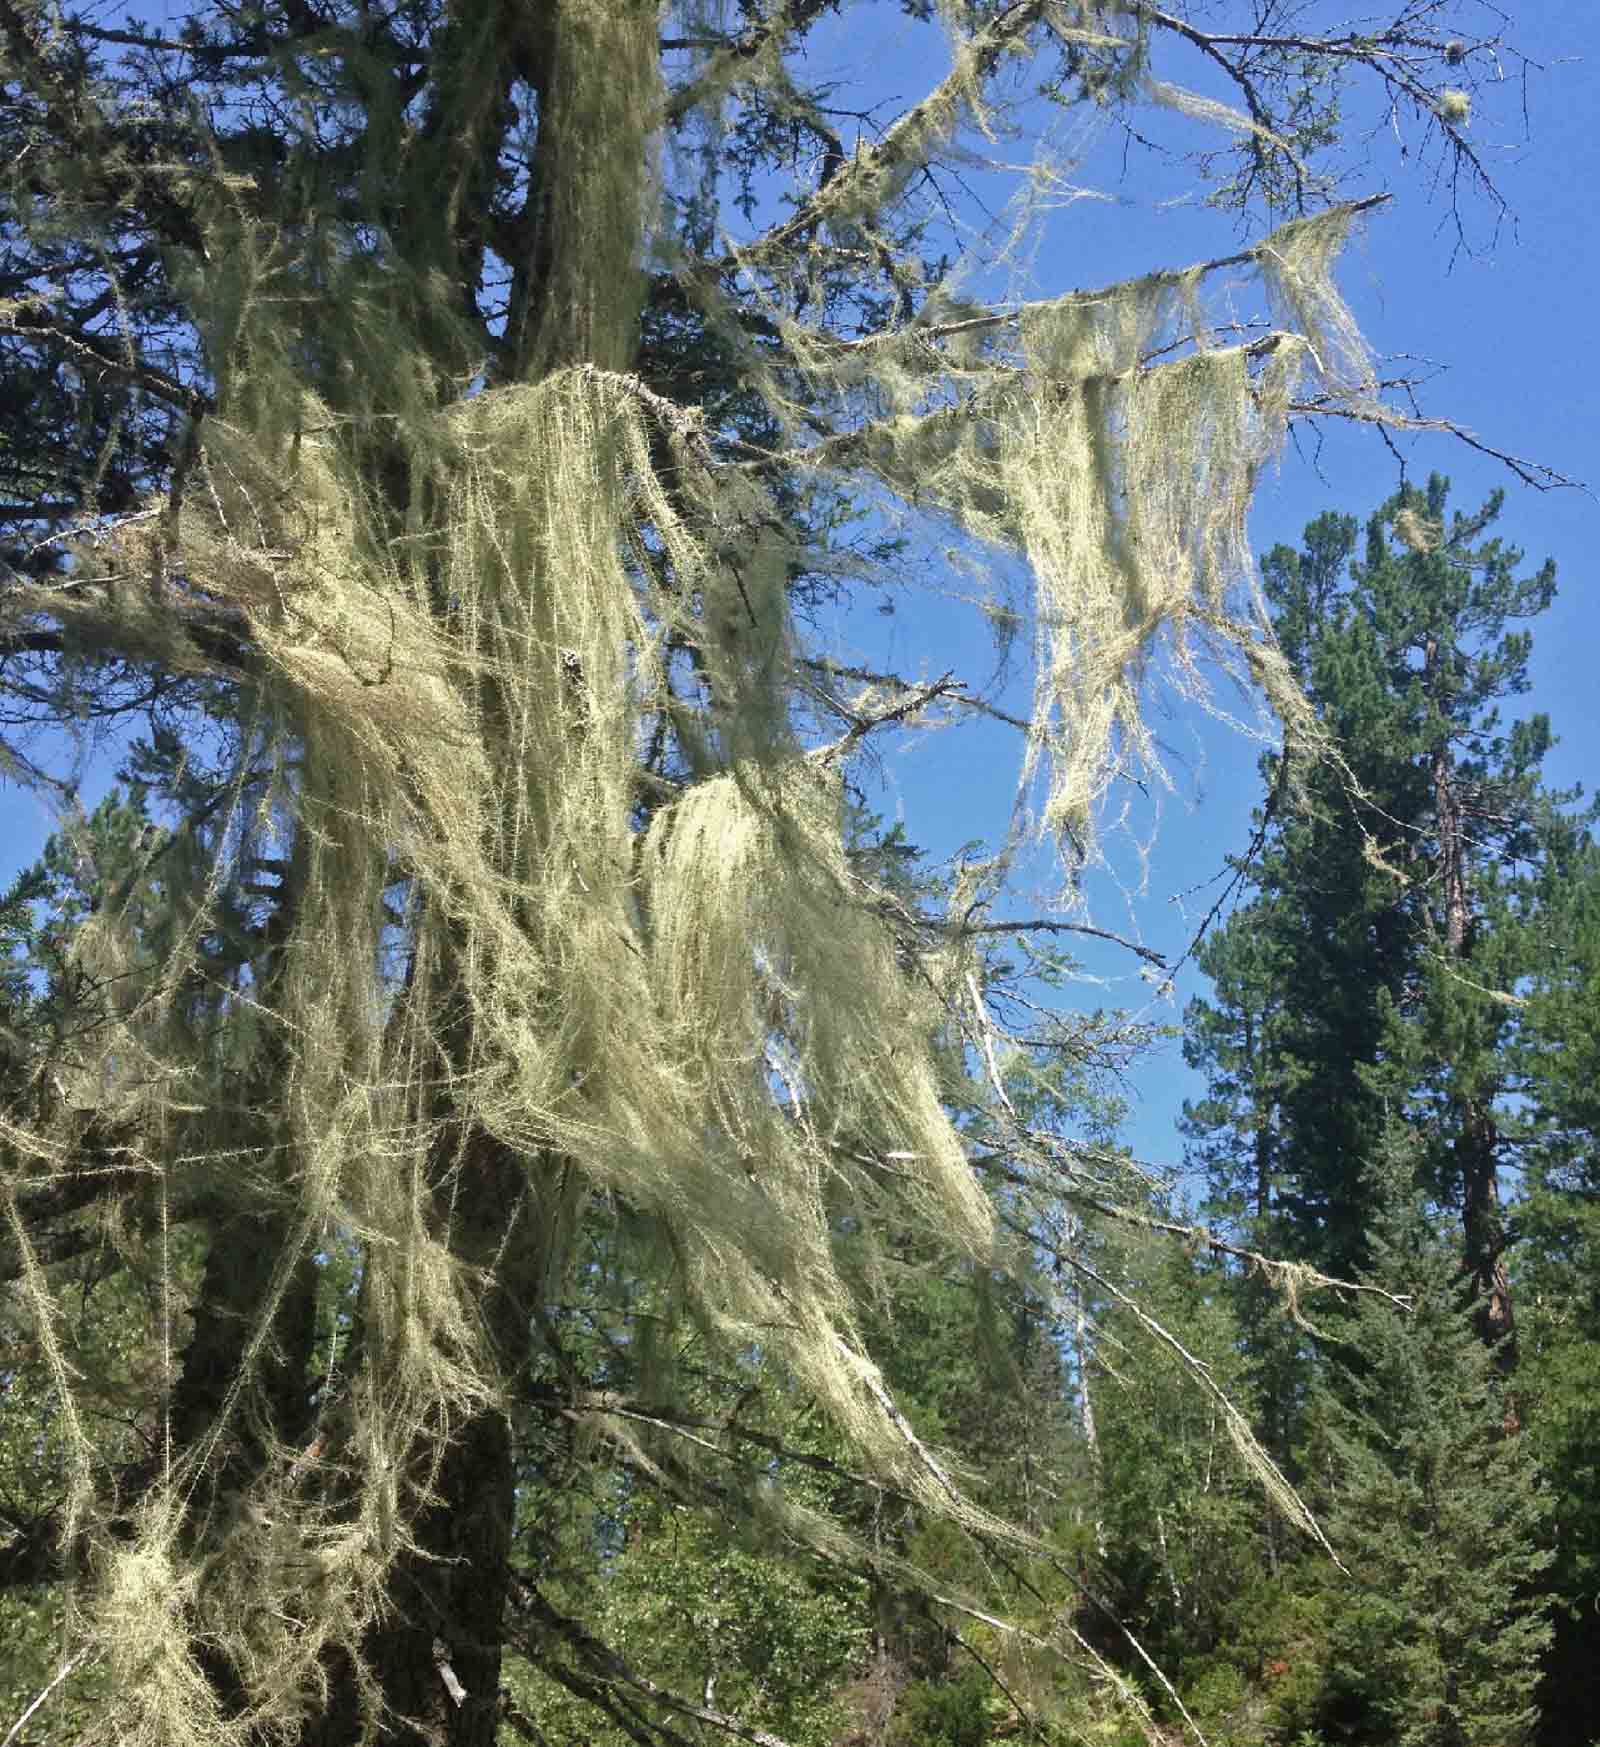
(1374, 977)
(1558, 1267)
(1382, 1046)
(448, 495)
(1181, 1516)
(1435, 1509)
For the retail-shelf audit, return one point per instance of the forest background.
(1157, 1425)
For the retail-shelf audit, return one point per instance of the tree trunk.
(1477, 1141)
(1485, 1231)
(433, 1658)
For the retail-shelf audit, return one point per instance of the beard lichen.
(1108, 440)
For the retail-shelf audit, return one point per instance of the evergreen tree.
(1181, 1515)
(1372, 975)
(1385, 1041)
(1558, 1279)
(1435, 1639)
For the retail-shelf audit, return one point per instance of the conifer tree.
(1181, 1519)
(439, 421)
(1558, 1276)
(1373, 974)
(1375, 1067)
(1435, 1638)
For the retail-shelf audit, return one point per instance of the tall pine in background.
(1380, 1050)
(1372, 975)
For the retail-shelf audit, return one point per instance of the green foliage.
(1559, 1279)
(1180, 1515)
(690, 1602)
(1389, 1022)
(1434, 1503)
(950, 1713)
(1353, 982)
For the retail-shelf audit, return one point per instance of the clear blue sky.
(1512, 325)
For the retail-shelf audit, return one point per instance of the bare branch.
(870, 676)
(1391, 55)
(1535, 473)
(917, 698)
(31, 319)
(1045, 925)
(39, 1699)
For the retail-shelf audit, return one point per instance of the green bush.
(948, 1713)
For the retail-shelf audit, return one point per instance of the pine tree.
(1376, 1064)
(1432, 1503)
(1558, 1278)
(1181, 1515)
(1373, 974)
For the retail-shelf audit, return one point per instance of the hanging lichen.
(1123, 475)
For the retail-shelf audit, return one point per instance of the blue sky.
(1510, 322)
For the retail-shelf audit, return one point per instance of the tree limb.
(980, 52)
(1050, 926)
